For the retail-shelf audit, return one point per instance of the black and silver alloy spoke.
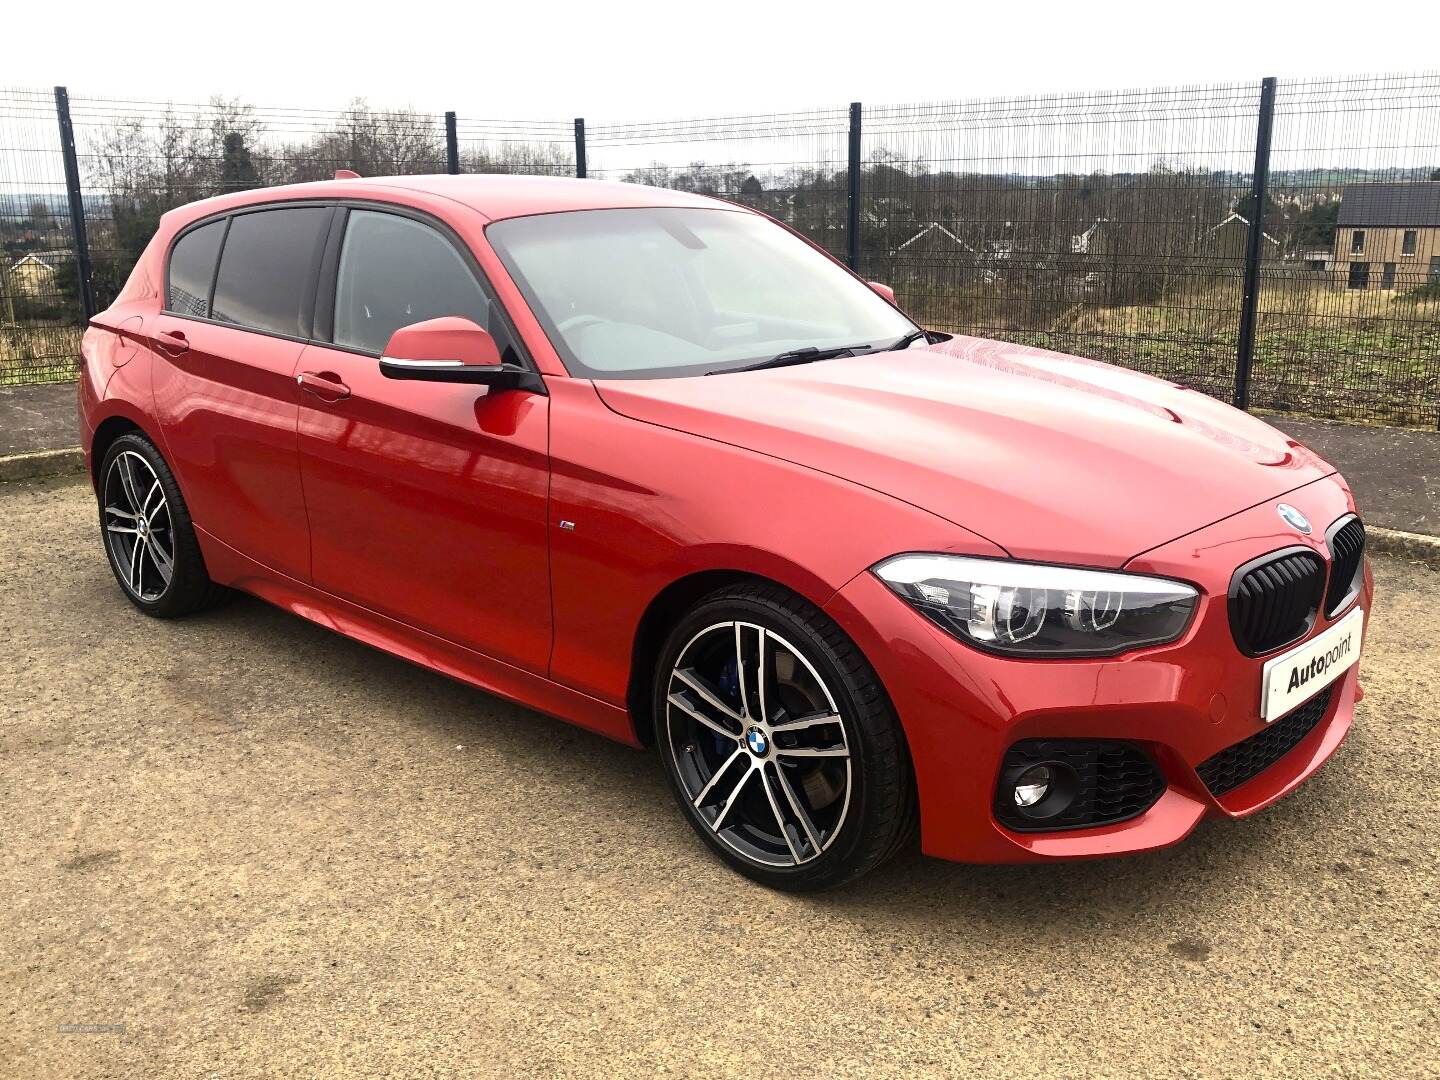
(138, 530)
(759, 744)
(703, 704)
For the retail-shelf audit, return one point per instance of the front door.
(427, 501)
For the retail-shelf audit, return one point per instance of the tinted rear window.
(267, 267)
(192, 269)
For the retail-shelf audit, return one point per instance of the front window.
(667, 292)
(1357, 241)
(1359, 275)
(1407, 242)
(394, 272)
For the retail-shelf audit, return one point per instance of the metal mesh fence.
(1094, 223)
(534, 148)
(1349, 315)
(39, 307)
(1109, 224)
(139, 159)
(791, 166)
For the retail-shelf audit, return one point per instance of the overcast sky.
(658, 60)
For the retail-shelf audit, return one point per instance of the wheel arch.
(106, 432)
(663, 611)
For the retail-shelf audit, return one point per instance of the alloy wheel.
(138, 529)
(759, 746)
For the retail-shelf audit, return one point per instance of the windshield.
(667, 292)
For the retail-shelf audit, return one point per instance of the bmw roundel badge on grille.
(1294, 518)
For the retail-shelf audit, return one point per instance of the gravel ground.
(264, 849)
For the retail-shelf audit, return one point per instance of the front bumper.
(1180, 703)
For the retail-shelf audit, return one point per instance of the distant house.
(32, 276)
(1387, 236)
(932, 238)
(1088, 242)
(1229, 237)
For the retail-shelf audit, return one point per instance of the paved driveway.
(263, 849)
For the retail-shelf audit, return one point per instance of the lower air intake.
(1113, 781)
(1236, 764)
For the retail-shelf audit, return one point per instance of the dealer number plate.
(1304, 671)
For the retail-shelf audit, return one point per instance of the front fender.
(644, 506)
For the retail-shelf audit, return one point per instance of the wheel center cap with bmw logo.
(1294, 518)
(756, 741)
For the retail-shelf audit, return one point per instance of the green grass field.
(39, 353)
(1322, 353)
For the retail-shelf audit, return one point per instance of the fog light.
(1032, 785)
(1033, 791)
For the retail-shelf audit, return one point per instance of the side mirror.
(453, 350)
(887, 293)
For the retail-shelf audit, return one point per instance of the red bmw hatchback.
(657, 465)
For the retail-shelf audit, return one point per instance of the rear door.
(240, 299)
(427, 501)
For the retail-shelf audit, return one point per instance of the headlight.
(1031, 609)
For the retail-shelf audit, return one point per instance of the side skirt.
(229, 567)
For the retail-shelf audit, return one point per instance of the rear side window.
(268, 267)
(192, 270)
(395, 271)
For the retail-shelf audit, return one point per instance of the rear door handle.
(174, 340)
(325, 385)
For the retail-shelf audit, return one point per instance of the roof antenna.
(346, 174)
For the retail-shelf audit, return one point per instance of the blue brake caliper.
(729, 686)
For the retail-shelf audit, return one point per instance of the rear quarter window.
(192, 270)
(268, 268)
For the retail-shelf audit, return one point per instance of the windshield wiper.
(908, 340)
(806, 355)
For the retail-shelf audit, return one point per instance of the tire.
(761, 780)
(148, 534)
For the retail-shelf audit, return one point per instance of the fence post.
(77, 207)
(1254, 246)
(452, 146)
(580, 147)
(852, 219)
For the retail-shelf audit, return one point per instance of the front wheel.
(779, 743)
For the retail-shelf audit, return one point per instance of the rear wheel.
(780, 745)
(148, 536)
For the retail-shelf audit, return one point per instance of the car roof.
(494, 196)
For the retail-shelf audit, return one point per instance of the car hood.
(1049, 456)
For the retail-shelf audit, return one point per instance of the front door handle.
(325, 385)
